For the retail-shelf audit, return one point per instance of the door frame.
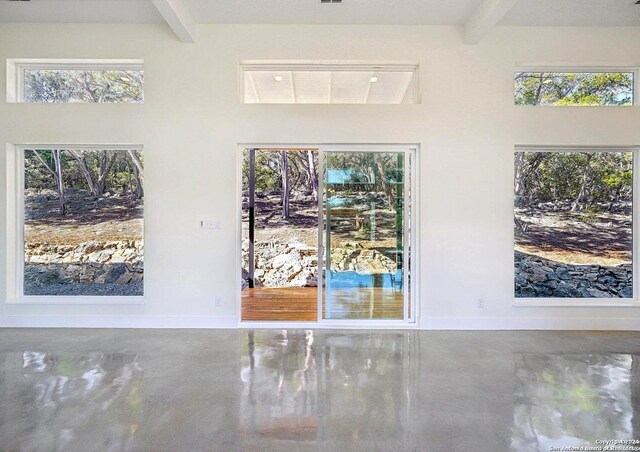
(413, 150)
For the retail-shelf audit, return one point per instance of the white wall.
(467, 127)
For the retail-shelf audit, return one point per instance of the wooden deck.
(300, 304)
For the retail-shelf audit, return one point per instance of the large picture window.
(573, 215)
(82, 222)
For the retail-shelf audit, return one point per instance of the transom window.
(329, 83)
(558, 87)
(75, 81)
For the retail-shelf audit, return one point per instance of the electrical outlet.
(480, 303)
(217, 301)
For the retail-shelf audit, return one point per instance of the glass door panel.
(365, 235)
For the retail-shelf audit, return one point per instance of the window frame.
(568, 302)
(588, 69)
(17, 66)
(334, 66)
(15, 230)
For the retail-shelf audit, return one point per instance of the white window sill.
(78, 300)
(575, 303)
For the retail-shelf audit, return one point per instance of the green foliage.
(589, 177)
(71, 86)
(548, 88)
(589, 216)
(268, 171)
(119, 178)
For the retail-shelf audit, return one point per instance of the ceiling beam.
(175, 13)
(488, 14)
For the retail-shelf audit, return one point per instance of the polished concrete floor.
(228, 390)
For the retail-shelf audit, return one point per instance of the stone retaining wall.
(93, 262)
(295, 264)
(538, 277)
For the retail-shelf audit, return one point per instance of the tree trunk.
(387, 187)
(517, 174)
(136, 161)
(583, 186)
(524, 168)
(105, 163)
(129, 180)
(539, 90)
(139, 188)
(58, 170)
(85, 171)
(284, 174)
(313, 174)
(138, 172)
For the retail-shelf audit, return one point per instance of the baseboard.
(428, 323)
(92, 321)
(520, 323)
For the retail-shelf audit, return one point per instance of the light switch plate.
(210, 224)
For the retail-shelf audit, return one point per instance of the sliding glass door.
(366, 232)
(327, 234)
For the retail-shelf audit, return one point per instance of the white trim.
(586, 69)
(407, 323)
(575, 68)
(544, 302)
(114, 321)
(79, 300)
(575, 302)
(11, 212)
(17, 66)
(589, 148)
(15, 232)
(321, 236)
(230, 322)
(327, 65)
(330, 325)
(529, 323)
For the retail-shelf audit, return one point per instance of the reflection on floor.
(301, 304)
(130, 390)
(299, 391)
(590, 397)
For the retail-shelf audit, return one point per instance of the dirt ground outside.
(579, 238)
(110, 218)
(302, 225)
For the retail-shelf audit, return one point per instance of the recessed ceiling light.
(278, 78)
(373, 79)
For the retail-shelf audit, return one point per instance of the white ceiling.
(92, 11)
(429, 12)
(574, 12)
